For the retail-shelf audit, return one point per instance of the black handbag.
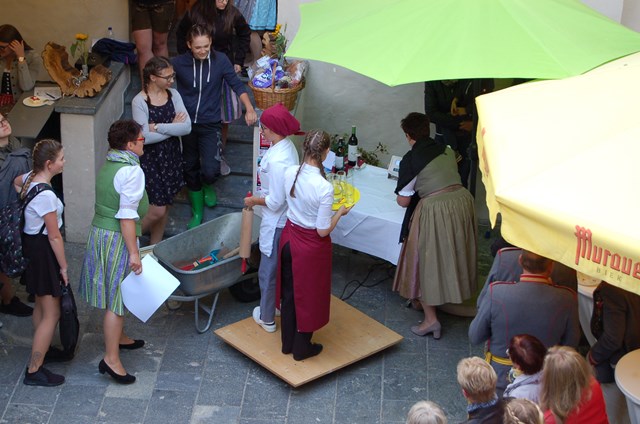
(69, 324)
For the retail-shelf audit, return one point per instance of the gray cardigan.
(140, 112)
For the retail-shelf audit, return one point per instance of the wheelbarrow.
(185, 248)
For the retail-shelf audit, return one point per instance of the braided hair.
(45, 150)
(198, 30)
(522, 411)
(316, 142)
(154, 66)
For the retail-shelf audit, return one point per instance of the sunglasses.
(169, 78)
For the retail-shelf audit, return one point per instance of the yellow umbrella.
(560, 164)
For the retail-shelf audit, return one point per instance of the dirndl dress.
(438, 259)
(162, 161)
(105, 265)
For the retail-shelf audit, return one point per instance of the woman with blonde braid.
(44, 247)
(304, 279)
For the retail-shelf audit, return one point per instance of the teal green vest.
(108, 200)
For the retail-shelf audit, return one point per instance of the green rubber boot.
(197, 208)
(210, 197)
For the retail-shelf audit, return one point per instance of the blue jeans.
(201, 155)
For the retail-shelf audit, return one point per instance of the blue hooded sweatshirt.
(200, 84)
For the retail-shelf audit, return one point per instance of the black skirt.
(42, 276)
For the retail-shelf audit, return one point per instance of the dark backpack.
(12, 263)
(117, 51)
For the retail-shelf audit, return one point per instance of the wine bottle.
(353, 147)
(340, 151)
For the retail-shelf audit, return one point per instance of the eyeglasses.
(168, 78)
(222, 1)
(263, 128)
(4, 121)
(139, 139)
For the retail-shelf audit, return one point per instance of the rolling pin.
(245, 235)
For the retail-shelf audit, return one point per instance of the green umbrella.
(404, 41)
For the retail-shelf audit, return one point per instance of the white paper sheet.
(143, 294)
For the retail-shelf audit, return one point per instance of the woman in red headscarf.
(276, 125)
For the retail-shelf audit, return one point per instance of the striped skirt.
(230, 108)
(106, 263)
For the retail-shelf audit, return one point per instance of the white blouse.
(273, 165)
(409, 189)
(129, 184)
(311, 208)
(44, 203)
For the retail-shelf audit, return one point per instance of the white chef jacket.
(273, 164)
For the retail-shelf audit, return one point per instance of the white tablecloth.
(373, 224)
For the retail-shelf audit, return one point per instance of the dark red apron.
(311, 266)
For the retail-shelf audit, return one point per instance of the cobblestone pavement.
(186, 377)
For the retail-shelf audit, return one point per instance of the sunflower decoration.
(79, 48)
(278, 42)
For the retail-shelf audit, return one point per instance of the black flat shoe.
(314, 350)
(137, 344)
(122, 379)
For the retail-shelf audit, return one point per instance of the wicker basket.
(267, 97)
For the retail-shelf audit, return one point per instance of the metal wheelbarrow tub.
(193, 244)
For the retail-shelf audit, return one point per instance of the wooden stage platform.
(349, 337)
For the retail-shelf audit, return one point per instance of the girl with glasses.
(14, 160)
(159, 110)
(112, 247)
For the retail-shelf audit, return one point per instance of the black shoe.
(56, 355)
(17, 308)
(31, 298)
(314, 350)
(137, 344)
(42, 377)
(122, 379)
